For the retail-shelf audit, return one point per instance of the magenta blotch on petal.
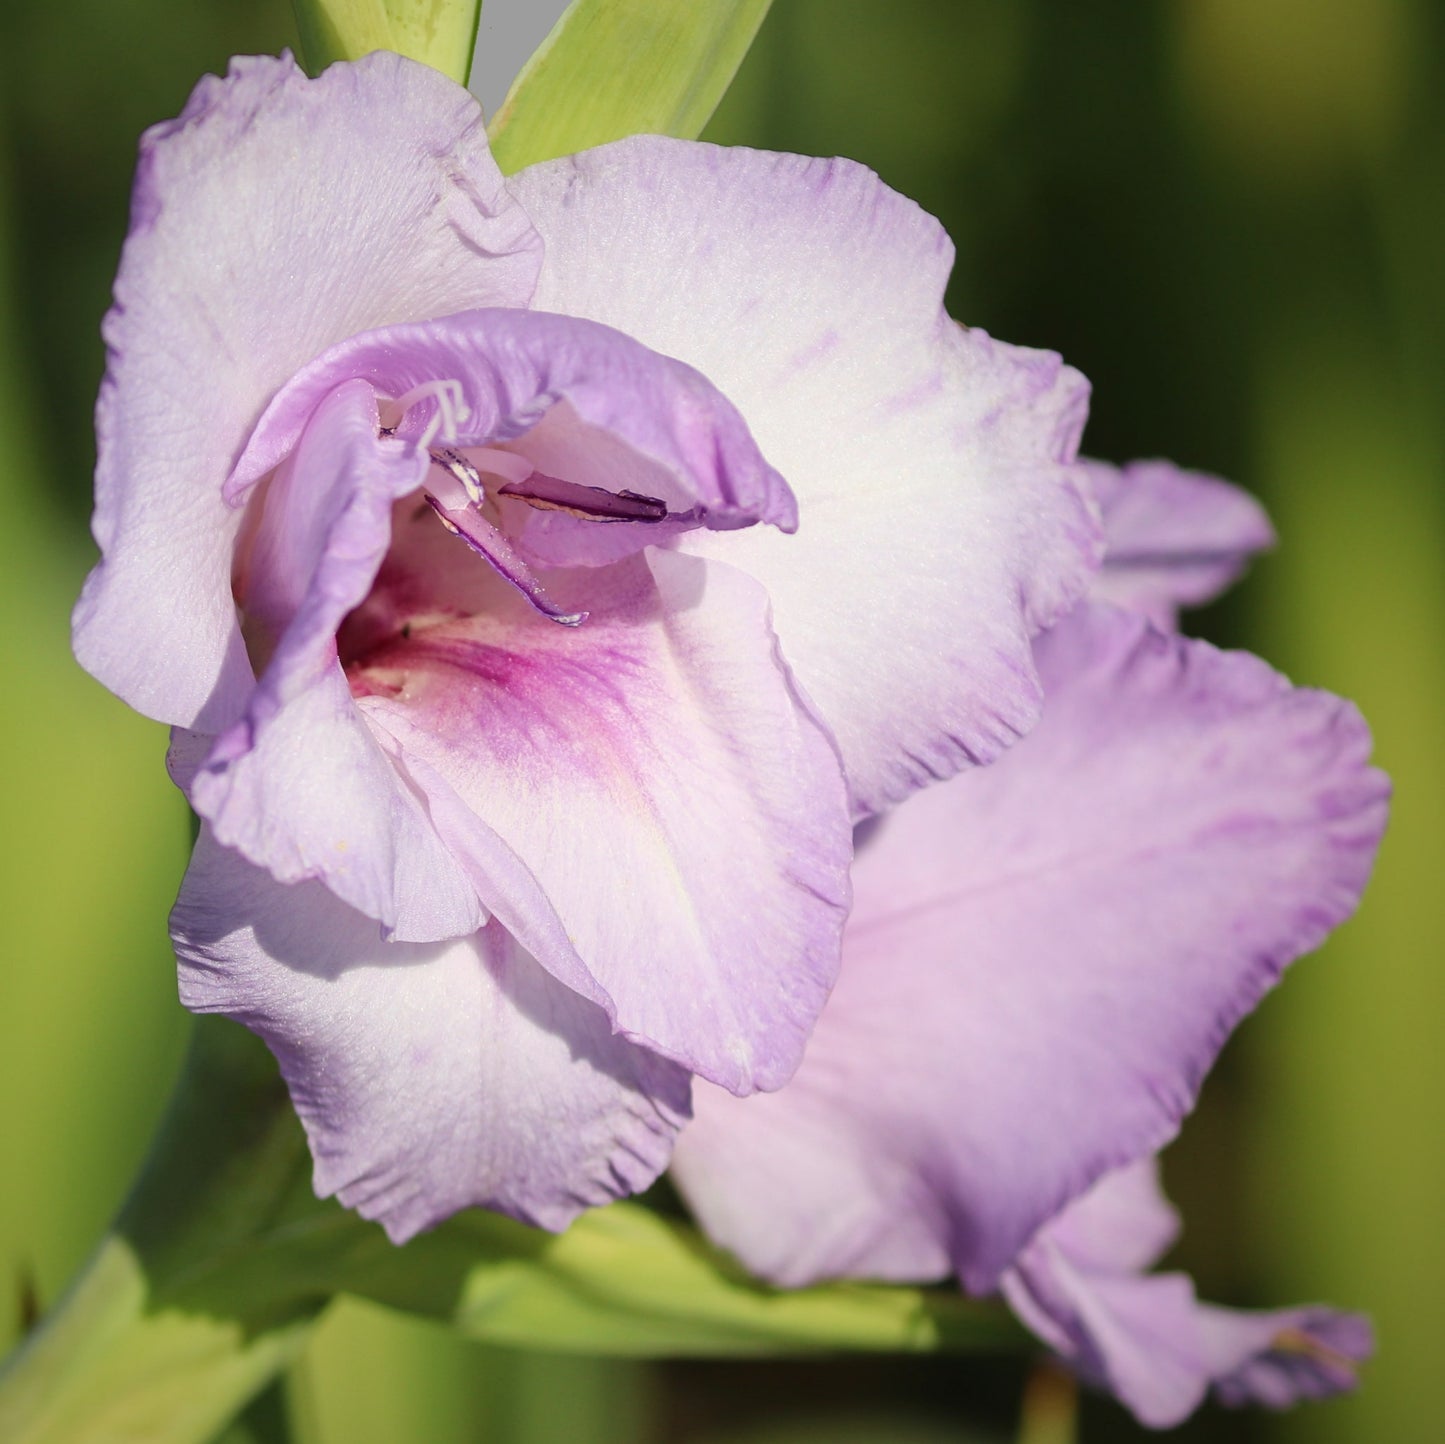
(941, 520)
(684, 817)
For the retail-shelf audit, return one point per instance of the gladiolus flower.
(541, 576)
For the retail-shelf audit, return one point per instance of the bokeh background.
(1228, 214)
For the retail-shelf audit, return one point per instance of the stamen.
(590, 503)
(451, 410)
(497, 551)
(1296, 1341)
(506, 464)
(457, 465)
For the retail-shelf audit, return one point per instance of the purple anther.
(462, 471)
(590, 503)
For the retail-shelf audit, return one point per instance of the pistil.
(489, 543)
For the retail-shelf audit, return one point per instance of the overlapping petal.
(653, 770)
(276, 216)
(298, 784)
(1080, 1285)
(1043, 960)
(428, 1077)
(607, 855)
(643, 801)
(1173, 538)
(631, 416)
(940, 521)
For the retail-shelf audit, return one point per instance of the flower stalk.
(1050, 1406)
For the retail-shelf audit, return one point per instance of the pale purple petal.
(1044, 958)
(429, 1078)
(940, 524)
(1279, 1357)
(1078, 1285)
(1123, 1224)
(683, 815)
(1172, 538)
(1138, 1336)
(625, 417)
(298, 784)
(275, 217)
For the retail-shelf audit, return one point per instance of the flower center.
(461, 499)
(509, 513)
(459, 506)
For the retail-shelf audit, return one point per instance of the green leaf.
(129, 1353)
(624, 1281)
(612, 68)
(439, 33)
(620, 1281)
(108, 1367)
(223, 1259)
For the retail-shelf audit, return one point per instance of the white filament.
(451, 410)
(506, 464)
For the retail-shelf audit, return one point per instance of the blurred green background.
(1228, 214)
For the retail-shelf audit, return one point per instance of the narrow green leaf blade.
(612, 68)
(626, 1282)
(332, 30)
(111, 1366)
(439, 33)
(621, 1281)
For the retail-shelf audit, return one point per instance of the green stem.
(1050, 1409)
